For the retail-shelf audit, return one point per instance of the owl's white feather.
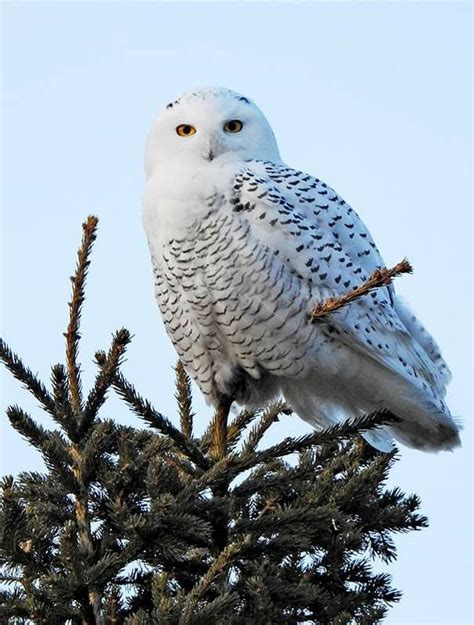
(244, 246)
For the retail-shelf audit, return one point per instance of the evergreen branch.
(145, 411)
(49, 443)
(238, 425)
(221, 562)
(62, 408)
(104, 379)
(10, 579)
(75, 308)
(271, 516)
(182, 463)
(379, 278)
(296, 445)
(269, 416)
(85, 555)
(234, 430)
(223, 605)
(273, 475)
(119, 506)
(214, 475)
(184, 398)
(22, 373)
(205, 440)
(96, 444)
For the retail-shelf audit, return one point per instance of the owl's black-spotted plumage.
(235, 286)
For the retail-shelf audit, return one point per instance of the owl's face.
(209, 127)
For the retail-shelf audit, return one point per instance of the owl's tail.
(425, 423)
(425, 426)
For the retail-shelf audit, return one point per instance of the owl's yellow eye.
(234, 125)
(185, 130)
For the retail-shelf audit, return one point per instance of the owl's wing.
(335, 214)
(423, 337)
(325, 244)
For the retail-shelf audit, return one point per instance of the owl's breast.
(178, 201)
(190, 287)
(230, 306)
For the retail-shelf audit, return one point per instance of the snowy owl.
(243, 247)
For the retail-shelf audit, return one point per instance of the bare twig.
(379, 278)
(75, 307)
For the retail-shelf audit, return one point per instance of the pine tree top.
(160, 525)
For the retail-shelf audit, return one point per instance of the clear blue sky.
(374, 98)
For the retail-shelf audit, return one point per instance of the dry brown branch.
(235, 430)
(379, 278)
(219, 437)
(75, 307)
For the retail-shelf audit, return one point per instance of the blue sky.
(375, 98)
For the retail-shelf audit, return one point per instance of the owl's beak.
(211, 150)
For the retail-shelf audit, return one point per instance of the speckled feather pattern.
(235, 287)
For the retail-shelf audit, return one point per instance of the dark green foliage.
(133, 526)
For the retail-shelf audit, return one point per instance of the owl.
(243, 247)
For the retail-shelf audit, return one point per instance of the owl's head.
(209, 126)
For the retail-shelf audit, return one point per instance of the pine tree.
(160, 525)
